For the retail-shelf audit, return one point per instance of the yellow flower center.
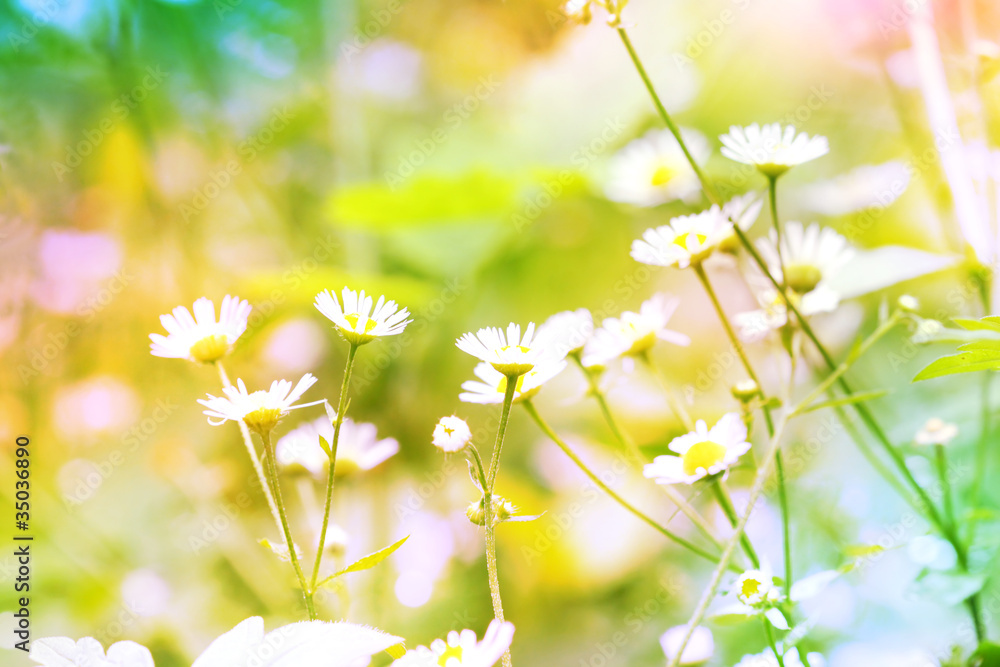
(449, 430)
(210, 349)
(802, 277)
(683, 239)
(353, 318)
(704, 454)
(449, 653)
(520, 348)
(662, 175)
(749, 587)
(262, 420)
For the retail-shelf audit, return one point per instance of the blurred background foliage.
(449, 155)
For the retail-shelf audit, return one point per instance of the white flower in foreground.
(773, 149)
(567, 333)
(758, 595)
(702, 452)
(296, 645)
(653, 170)
(699, 648)
(790, 658)
(88, 652)
(492, 384)
(359, 447)
(936, 432)
(259, 410)
(202, 337)
(508, 352)
(755, 588)
(461, 649)
(452, 434)
(633, 333)
(354, 317)
(690, 239)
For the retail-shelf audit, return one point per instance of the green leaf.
(326, 447)
(987, 655)
(519, 518)
(987, 344)
(964, 362)
(279, 550)
(844, 400)
(368, 562)
(991, 323)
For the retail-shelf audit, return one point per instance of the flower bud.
(745, 390)
(452, 434)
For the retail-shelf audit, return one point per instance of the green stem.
(770, 641)
(666, 532)
(491, 540)
(726, 502)
(941, 458)
(772, 195)
(252, 452)
(332, 471)
(674, 130)
(283, 515)
(982, 452)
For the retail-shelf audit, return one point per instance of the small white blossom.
(567, 332)
(936, 432)
(508, 352)
(632, 333)
(461, 649)
(259, 410)
(701, 452)
(202, 337)
(699, 649)
(492, 384)
(773, 149)
(452, 434)
(354, 317)
(358, 448)
(653, 170)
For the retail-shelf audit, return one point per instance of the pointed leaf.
(523, 518)
(991, 323)
(964, 362)
(776, 618)
(326, 447)
(369, 561)
(844, 400)
(330, 412)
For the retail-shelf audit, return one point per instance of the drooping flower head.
(653, 170)
(508, 352)
(452, 434)
(690, 239)
(259, 410)
(358, 448)
(201, 338)
(701, 452)
(632, 334)
(462, 650)
(354, 317)
(936, 432)
(773, 149)
(699, 649)
(492, 384)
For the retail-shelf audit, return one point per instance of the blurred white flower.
(295, 346)
(773, 149)
(936, 432)
(699, 649)
(461, 649)
(356, 320)
(146, 593)
(358, 448)
(790, 658)
(755, 588)
(509, 353)
(653, 170)
(94, 407)
(386, 68)
(202, 337)
(567, 332)
(868, 186)
(297, 645)
(492, 384)
(633, 333)
(452, 434)
(701, 452)
(689, 239)
(578, 10)
(88, 652)
(259, 410)
(72, 269)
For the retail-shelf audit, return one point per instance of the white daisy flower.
(338, 644)
(702, 452)
(492, 384)
(773, 149)
(88, 652)
(936, 432)
(462, 649)
(699, 649)
(790, 658)
(653, 170)
(358, 448)
(259, 410)
(354, 317)
(689, 239)
(452, 434)
(632, 333)
(567, 333)
(510, 353)
(202, 337)
(755, 588)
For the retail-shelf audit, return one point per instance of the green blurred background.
(449, 155)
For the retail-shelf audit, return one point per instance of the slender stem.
(786, 523)
(252, 451)
(480, 470)
(626, 441)
(726, 502)
(982, 452)
(676, 405)
(542, 424)
(283, 515)
(491, 539)
(772, 192)
(705, 183)
(332, 471)
(770, 641)
(941, 459)
(716, 580)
